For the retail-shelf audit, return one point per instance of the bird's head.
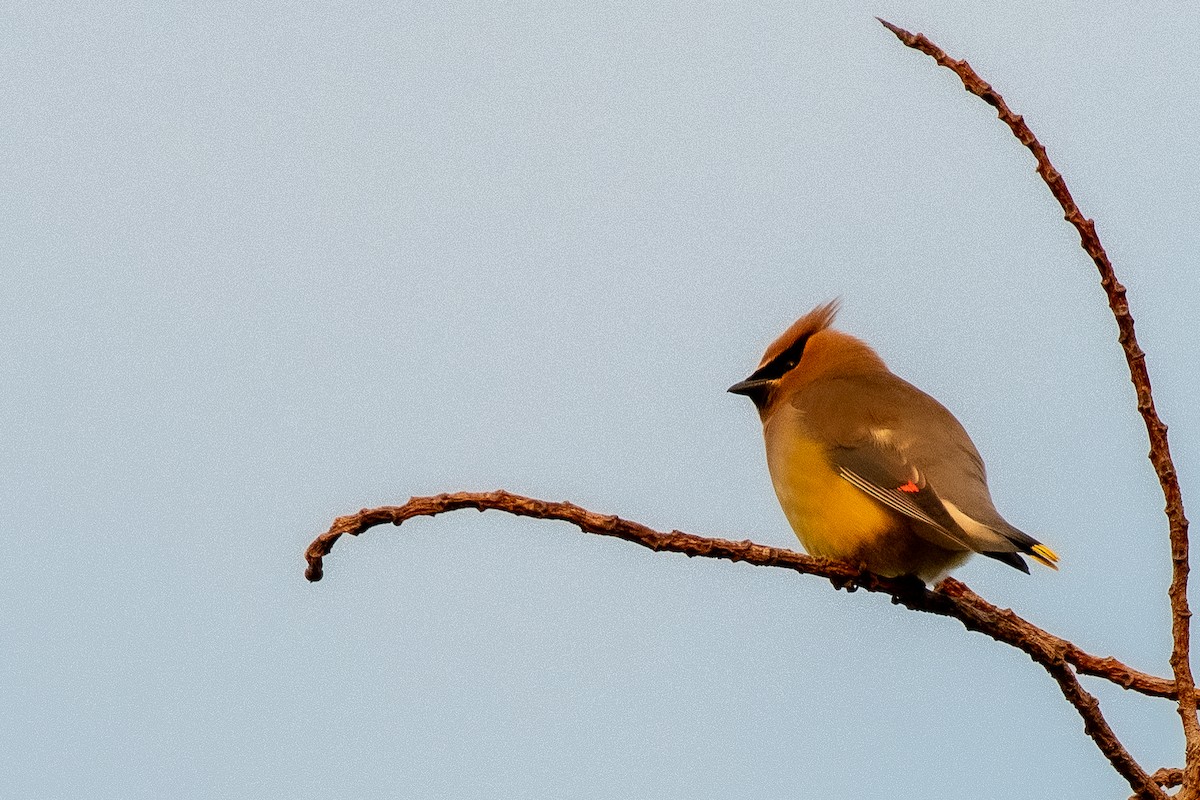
(807, 350)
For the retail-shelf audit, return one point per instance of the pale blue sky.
(269, 264)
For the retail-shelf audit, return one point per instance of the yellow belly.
(831, 518)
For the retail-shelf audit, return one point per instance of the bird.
(868, 468)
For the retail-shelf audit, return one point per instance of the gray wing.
(903, 448)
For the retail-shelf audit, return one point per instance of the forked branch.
(1160, 451)
(950, 599)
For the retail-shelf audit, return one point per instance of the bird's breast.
(830, 516)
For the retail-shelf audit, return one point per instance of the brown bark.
(950, 598)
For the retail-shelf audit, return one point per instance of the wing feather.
(902, 448)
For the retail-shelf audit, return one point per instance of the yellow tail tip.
(1044, 555)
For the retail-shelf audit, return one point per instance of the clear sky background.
(268, 264)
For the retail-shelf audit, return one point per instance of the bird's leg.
(909, 590)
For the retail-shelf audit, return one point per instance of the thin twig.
(950, 599)
(1160, 453)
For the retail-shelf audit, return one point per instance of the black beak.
(750, 386)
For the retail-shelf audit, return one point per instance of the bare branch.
(1000, 624)
(1160, 453)
(950, 599)
(1166, 778)
(1097, 727)
(1084, 663)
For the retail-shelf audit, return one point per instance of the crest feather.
(814, 321)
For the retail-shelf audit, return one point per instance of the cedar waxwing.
(868, 468)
